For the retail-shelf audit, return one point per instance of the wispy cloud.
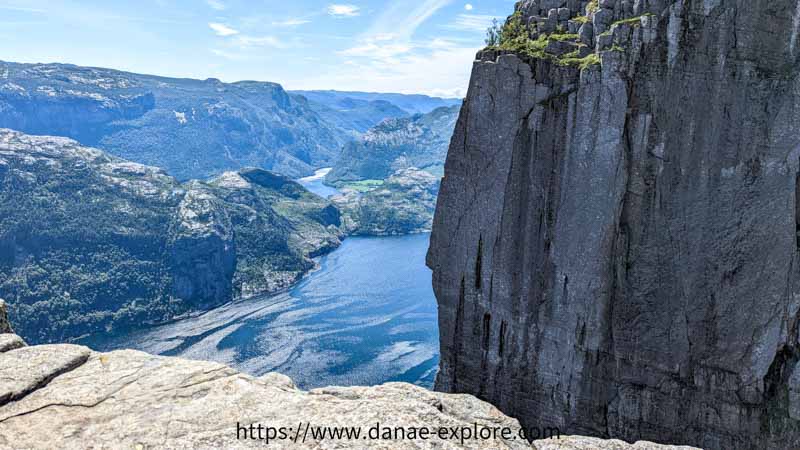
(259, 41)
(471, 22)
(343, 10)
(222, 30)
(401, 18)
(375, 50)
(293, 22)
(216, 4)
(390, 35)
(439, 67)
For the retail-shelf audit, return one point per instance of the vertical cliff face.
(615, 246)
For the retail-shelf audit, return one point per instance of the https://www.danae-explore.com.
(308, 432)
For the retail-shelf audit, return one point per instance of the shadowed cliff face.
(614, 249)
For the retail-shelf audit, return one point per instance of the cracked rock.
(128, 399)
(27, 369)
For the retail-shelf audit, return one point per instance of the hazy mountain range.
(207, 126)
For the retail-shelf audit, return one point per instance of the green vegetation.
(583, 63)
(633, 21)
(363, 185)
(581, 19)
(404, 204)
(592, 7)
(513, 35)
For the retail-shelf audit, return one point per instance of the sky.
(405, 46)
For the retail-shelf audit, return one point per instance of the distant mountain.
(419, 141)
(353, 115)
(90, 242)
(190, 128)
(410, 103)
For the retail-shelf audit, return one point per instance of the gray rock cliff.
(67, 396)
(615, 248)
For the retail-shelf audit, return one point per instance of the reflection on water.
(368, 316)
(315, 184)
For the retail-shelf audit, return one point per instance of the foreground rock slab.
(26, 369)
(128, 399)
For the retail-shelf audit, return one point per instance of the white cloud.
(293, 22)
(222, 30)
(401, 18)
(343, 10)
(216, 4)
(439, 67)
(375, 50)
(259, 41)
(388, 56)
(468, 6)
(471, 22)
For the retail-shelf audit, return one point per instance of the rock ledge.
(129, 399)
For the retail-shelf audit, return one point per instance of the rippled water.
(368, 316)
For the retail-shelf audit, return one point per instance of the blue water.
(367, 316)
(316, 184)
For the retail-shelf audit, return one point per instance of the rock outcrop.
(615, 249)
(91, 242)
(66, 396)
(403, 204)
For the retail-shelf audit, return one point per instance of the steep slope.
(128, 399)
(90, 242)
(208, 126)
(615, 246)
(420, 141)
(410, 103)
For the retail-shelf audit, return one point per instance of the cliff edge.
(67, 396)
(615, 243)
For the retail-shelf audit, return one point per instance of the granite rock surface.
(69, 397)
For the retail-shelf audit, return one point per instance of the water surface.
(367, 316)
(315, 184)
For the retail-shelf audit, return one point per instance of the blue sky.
(408, 46)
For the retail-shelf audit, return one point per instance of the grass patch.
(581, 19)
(634, 21)
(563, 37)
(593, 7)
(583, 63)
(363, 185)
